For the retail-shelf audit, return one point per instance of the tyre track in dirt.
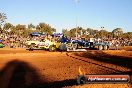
(114, 69)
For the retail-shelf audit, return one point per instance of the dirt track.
(39, 69)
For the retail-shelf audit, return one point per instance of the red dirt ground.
(20, 68)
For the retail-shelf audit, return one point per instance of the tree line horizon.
(42, 27)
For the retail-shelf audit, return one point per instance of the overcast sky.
(61, 14)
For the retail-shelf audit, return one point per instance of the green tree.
(27, 32)
(103, 33)
(117, 32)
(13, 31)
(72, 33)
(20, 29)
(45, 28)
(31, 26)
(64, 31)
(109, 35)
(90, 31)
(78, 30)
(53, 29)
(7, 27)
(127, 35)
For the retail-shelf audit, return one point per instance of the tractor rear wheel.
(105, 47)
(100, 47)
(52, 48)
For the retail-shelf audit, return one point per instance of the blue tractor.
(74, 45)
(82, 44)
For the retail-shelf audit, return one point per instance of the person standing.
(117, 45)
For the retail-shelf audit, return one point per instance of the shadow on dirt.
(107, 58)
(19, 74)
(110, 59)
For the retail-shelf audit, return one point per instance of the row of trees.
(23, 30)
(116, 33)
